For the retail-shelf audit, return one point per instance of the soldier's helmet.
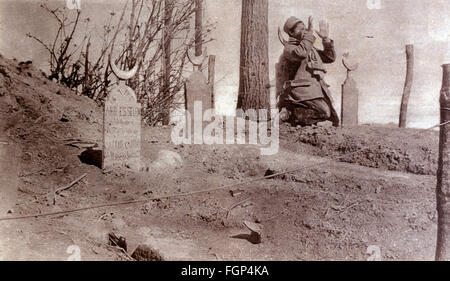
(290, 24)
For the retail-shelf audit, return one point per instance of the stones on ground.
(146, 253)
(167, 159)
(117, 240)
(158, 248)
(309, 222)
(236, 192)
(269, 172)
(255, 235)
(122, 129)
(25, 67)
(64, 118)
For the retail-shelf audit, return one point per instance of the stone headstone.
(122, 129)
(350, 93)
(197, 89)
(9, 175)
(349, 103)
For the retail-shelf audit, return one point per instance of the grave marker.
(121, 127)
(197, 89)
(9, 174)
(350, 92)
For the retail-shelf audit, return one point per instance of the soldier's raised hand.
(310, 24)
(324, 29)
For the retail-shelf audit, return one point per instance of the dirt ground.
(336, 210)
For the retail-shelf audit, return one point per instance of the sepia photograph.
(224, 131)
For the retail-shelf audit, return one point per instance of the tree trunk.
(167, 49)
(443, 174)
(254, 66)
(408, 84)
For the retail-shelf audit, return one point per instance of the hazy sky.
(424, 23)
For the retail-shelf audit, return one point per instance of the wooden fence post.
(443, 174)
(408, 84)
(211, 73)
(198, 28)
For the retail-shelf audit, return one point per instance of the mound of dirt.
(386, 147)
(40, 116)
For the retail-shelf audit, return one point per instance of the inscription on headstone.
(122, 129)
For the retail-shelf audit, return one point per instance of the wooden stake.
(443, 174)
(198, 27)
(211, 73)
(408, 84)
(86, 70)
